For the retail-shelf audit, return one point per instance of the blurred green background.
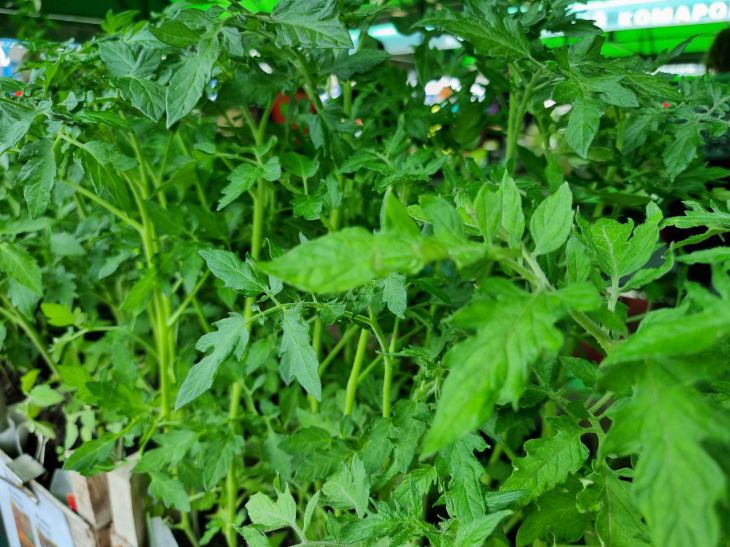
(80, 19)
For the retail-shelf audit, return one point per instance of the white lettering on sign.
(662, 16)
(718, 10)
(623, 14)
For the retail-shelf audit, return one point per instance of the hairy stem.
(236, 388)
(388, 370)
(351, 389)
(121, 215)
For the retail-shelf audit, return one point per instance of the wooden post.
(126, 495)
(92, 498)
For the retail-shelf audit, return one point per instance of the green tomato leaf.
(476, 532)
(678, 484)
(548, 463)
(512, 219)
(361, 61)
(299, 165)
(493, 365)
(611, 91)
(488, 208)
(220, 454)
(169, 491)
(58, 315)
(448, 230)
(298, 358)
(491, 35)
(395, 294)
(394, 218)
(93, 456)
(682, 150)
(190, 79)
(175, 33)
(670, 336)
(106, 181)
(37, 176)
(552, 221)
(465, 499)
(141, 292)
(706, 256)
(19, 265)
(349, 488)
(145, 95)
(172, 448)
(582, 369)
(577, 262)
(619, 248)
(108, 155)
(241, 180)
(696, 215)
(648, 275)
(585, 119)
(253, 537)
(123, 59)
(227, 341)
(44, 396)
(236, 275)
(309, 23)
(619, 521)
(309, 510)
(556, 518)
(321, 265)
(15, 121)
(263, 511)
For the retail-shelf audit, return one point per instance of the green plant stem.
(549, 410)
(592, 328)
(349, 333)
(537, 277)
(368, 369)
(388, 370)
(235, 393)
(595, 407)
(146, 169)
(188, 300)
(512, 135)
(347, 98)
(388, 359)
(309, 86)
(351, 389)
(121, 215)
(204, 324)
(198, 189)
(160, 310)
(517, 109)
(516, 518)
(613, 294)
(15, 317)
(316, 346)
(187, 530)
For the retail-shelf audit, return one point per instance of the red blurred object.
(279, 112)
(71, 502)
(665, 104)
(637, 306)
(18, 93)
(586, 351)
